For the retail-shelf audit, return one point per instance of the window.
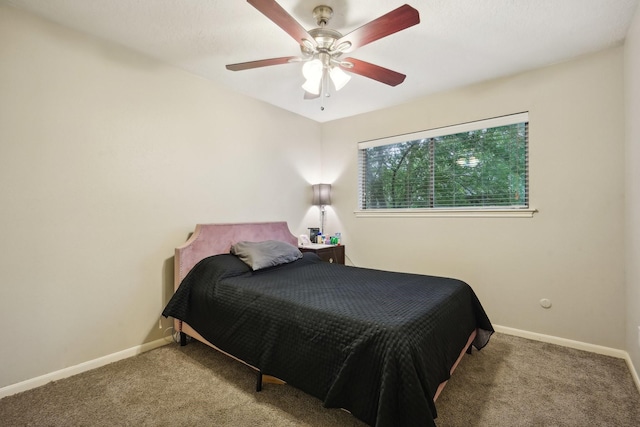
(474, 166)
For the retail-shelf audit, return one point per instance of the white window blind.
(476, 165)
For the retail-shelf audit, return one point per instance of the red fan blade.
(394, 21)
(375, 72)
(282, 19)
(262, 63)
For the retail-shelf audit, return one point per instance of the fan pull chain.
(324, 88)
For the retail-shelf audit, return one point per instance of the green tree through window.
(481, 167)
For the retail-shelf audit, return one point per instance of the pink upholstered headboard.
(213, 239)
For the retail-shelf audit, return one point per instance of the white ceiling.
(458, 42)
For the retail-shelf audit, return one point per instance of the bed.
(379, 344)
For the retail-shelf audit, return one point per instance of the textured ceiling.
(458, 42)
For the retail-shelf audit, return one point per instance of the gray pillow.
(268, 253)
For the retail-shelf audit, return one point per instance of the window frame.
(467, 212)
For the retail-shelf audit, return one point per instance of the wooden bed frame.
(214, 239)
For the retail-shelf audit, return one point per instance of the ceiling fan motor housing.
(324, 37)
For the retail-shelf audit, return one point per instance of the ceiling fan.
(322, 48)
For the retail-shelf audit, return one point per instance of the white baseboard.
(607, 351)
(77, 369)
(579, 345)
(634, 372)
(133, 351)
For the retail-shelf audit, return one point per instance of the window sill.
(446, 213)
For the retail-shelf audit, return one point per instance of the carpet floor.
(511, 382)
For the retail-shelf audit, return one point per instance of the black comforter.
(374, 342)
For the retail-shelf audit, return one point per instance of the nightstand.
(328, 253)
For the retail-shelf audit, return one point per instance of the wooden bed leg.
(183, 339)
(259, 381)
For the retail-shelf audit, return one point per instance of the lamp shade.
(312, 71)
(339, 77)
(312, 86)
(321, 194)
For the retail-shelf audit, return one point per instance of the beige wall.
(107, 161)
(632, 224)
(571, 252)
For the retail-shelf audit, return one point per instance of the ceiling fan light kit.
(322, 47)
(315, 70)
